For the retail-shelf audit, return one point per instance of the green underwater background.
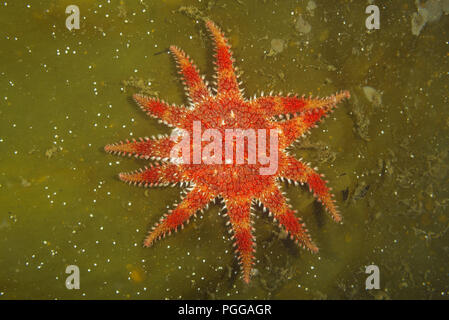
(66, 94)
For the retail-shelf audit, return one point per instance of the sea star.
(239, 186)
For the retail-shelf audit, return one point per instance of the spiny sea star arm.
(296, 127)
(145, 148)
(293, 169)
(194, 83)
(195, 200)
(274, 200)
(155, 175)
(226, 77)
(171, 115)
(280, 106)
(239, 213)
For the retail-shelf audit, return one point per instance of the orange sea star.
(240, 186)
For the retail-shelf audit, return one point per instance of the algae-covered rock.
(430, 11)
(277, 46)
(302, 26)
(372, 95)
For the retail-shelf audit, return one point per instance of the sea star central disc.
(239, 184)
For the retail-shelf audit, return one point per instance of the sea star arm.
(226, 77)
(293, 169)
(296, 127)
(194, 83)
(155, 175)
(171, 115)
(195, 200)
(239, 213)
(274, 200)
(279, 105)
(145, 148)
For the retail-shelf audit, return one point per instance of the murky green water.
(63, 98)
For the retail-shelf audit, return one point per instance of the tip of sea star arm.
(325, 196)
(339, 97)
(245, 249)
(155, 175)
(194, 83)
(304, 239)
(197, 199)
(285, 106)
(239, 213)
(314, 104)
(226, 77)
(157, 232)
(333, 210)
(247, 272)
(318, 186)
(170, 115)
(142, 177)
(146, 148)
(296, 229)
(344, 94)
(122, 148)
(293, 169)
(211, 26)
(276, 205)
